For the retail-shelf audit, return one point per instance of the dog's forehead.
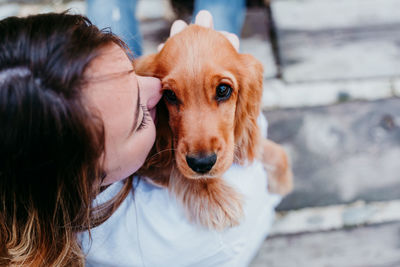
(199, 43)
(196, 50)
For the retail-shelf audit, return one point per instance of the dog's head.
(211, 101)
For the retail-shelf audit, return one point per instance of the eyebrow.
(136, 116)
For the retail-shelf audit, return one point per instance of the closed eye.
(146, 118)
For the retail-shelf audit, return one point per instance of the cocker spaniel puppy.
(206, 121)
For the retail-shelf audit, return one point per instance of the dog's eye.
(224, 91)
(171, 97)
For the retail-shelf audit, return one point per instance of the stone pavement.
(331, 89)
(341, 153)
(335, 108)
(341, 39)
(365, 246)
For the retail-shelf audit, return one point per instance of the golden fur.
(192, 64)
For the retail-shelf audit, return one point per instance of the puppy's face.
(202, 76)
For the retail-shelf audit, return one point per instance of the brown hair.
(51, 145)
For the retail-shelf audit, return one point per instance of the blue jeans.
(228, 15)
(119, 15)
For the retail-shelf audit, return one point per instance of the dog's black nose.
(200, 163)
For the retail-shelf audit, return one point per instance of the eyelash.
(146, 118)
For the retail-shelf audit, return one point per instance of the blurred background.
(331, 88)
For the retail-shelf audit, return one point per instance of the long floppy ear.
(247, 133)
(159, 162)
(161, 157)
(145, 65)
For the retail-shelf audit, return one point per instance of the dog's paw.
(210, 203)
(276, 163)
(280, 182)
(218, 206)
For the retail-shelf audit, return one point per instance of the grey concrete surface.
(278, 94)
(255, 40)
(334, 40)
(340, 153)
(372, 246)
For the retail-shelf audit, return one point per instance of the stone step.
(278, 94)
(336, 40)
(367, 246)
(360, 213)
(340, 153)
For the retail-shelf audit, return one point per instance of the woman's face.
(126, 103)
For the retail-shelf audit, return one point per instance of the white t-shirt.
(150, 228)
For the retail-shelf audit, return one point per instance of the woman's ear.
(247, 134)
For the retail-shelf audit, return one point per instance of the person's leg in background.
(228, 15)
(120, 16)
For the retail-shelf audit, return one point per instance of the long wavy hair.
(51, 144)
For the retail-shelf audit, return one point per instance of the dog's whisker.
(162, 151)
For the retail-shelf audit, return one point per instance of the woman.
(67, 125)
(75, 122)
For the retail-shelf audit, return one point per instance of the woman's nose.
(150, 91)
